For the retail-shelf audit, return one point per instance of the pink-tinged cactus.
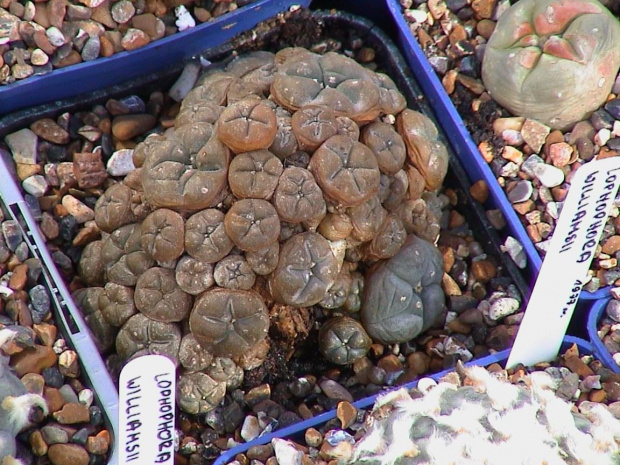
(553, 60)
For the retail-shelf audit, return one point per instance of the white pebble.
(616, 357)
(285, 452)
(426, 384)
(503, 307)
(184, 18)
(616, 129)
(55, 36)
(24, 146)
(121, 163)
(81, 212)
(250, 428)
(416, 16)
(549, 176)
(35, 185)
(602, 136)
(514, 248)
(185, 82)
(86, 397)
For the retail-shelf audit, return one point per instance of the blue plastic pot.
(597, 312)
(464, 145)
(89, 76)
(316, 422)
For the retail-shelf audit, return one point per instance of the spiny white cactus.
(487, 421)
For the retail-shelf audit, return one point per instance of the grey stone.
(521, 192)
(35, 185)
(91, 49)
(23, 145)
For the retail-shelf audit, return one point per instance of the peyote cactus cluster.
(479, 418)
(284, 178)
(553, 60)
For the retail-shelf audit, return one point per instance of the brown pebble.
(458, 326)
(55, 400)
(342, 451)
(39, 448)
(134, 38)
(25, 170)
(72, 59)
(390, 363)
(449, 81)
(419, 362)
(33, 383)
(577, 365)
(33, 360)
(126, 127)
(313, 437)
(304, 411)
(260, 452)
(49, 130)
(449, 285)
(534, 134)
(597, 395)
(485, 28)
(67, 454)
(68, 364)
(483, 9)
(486, 150)
(97, 445)
(19, 277)
(480, 191)
(72, 413)
(49, 226)
(611, 245)
(366, 55)
(346, 413)
(46, 333)
(483, 270)
(257, 394)
(202, 14)
(89, 170)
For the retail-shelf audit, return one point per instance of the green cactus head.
(553, 60)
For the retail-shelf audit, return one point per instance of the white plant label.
(146, 411)
(565, 267)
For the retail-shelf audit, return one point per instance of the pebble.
(47, 129)
(78, 210)
(53, 377)
(521, 192)
(12, 234)
(37, 443)
(72, 413)
(86, 397)
(121, 163)
(99, 444)
(80, 437)
(23, 145)
(334, 390)
(126, 127)
(91, 49)
(612, 309)
(68, 454)
(34, 383)
(33, 360)
(250, 429)
(38, 57)
(549, 176)
(560, 154)
(134, 39)
(534, 134)
(122, 11)
(35, 185)
(286, 452)
(502, 307)
(514, 248)
(54, 435)
(68, 364)
(346, 413)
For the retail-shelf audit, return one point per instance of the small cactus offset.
(553, 60)
(478, 418)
